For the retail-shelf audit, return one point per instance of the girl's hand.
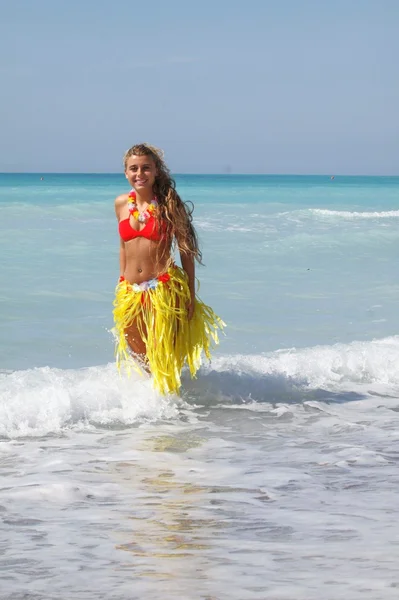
(190, 309)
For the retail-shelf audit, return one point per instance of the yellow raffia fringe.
(171, 340)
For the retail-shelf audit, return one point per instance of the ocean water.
(274, 474)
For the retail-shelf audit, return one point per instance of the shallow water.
(275, 474)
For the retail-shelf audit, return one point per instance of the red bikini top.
(151, 230)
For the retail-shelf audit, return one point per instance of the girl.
(157, 313)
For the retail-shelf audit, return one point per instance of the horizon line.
(330, 175)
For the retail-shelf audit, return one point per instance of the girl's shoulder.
(120, 201)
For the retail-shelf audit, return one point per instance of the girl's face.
(141, 172)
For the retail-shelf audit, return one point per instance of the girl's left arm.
(187, 262)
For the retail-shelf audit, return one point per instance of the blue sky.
(255, 86)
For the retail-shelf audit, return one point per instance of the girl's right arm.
(119, 201)
(122, 259)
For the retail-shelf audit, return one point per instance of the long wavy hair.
(172, 210)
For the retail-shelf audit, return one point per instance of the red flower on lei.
(164, 278)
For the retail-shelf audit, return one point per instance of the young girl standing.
(157, 315)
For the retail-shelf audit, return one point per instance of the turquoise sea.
(274, 475)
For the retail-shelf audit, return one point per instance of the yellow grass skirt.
(159, 308)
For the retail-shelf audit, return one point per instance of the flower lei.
(142, 217)
(146, 285)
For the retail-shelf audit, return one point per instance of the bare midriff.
(146, 259)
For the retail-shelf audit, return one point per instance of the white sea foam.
(345, 214)
(376, 361)
(44, 400)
